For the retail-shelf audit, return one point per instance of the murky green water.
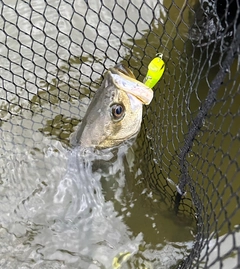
(64, 208)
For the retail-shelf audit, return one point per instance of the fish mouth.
(131, 86)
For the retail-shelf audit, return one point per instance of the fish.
(115, 112)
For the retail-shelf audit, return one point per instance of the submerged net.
(53, 57)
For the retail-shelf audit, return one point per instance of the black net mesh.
(53, 56)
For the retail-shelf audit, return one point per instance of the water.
(55, 212)
(64, 208)
(70, 208)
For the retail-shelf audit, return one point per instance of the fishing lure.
(155, 71)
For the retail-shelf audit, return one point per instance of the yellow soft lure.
(155, 71)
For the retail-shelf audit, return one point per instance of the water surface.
(70, 208)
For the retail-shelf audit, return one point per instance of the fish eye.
(118, 111)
